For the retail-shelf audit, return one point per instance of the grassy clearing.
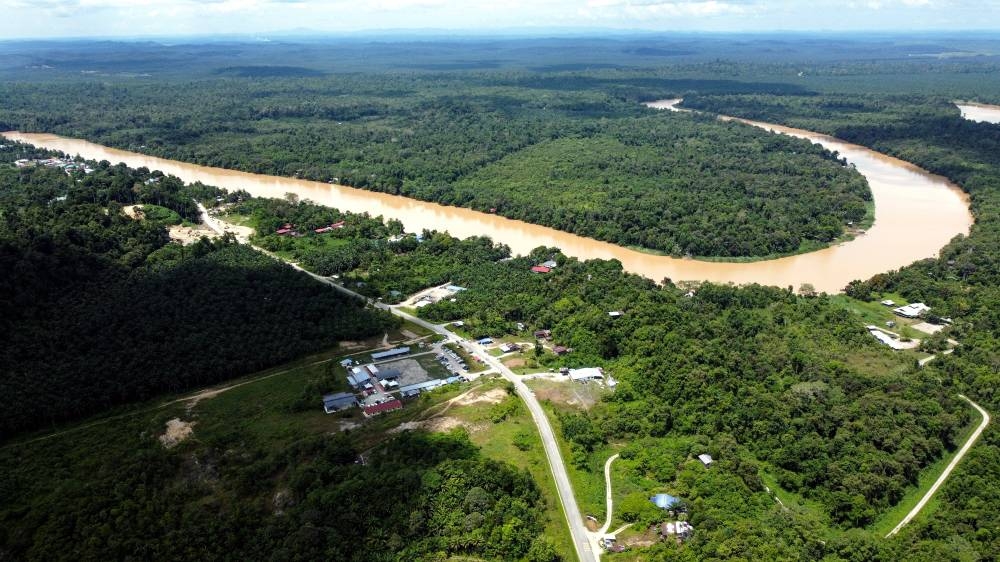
(567, 394)
(497, 441)
(474, 366)
(877, 314)
(434, 369)
(586, 476)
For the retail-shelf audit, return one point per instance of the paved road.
(947, 471)
(581, 540)
(585, 550)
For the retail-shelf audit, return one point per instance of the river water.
(980, 112)
(916, 213)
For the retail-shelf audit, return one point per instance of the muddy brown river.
(980, 112)
(916, 213)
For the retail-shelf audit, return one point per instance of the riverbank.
(980, 112)
(916, 214)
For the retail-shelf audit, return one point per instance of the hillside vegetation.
(97, 309)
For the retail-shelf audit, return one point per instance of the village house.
(914, 310)
(378, 409)
(543, 334)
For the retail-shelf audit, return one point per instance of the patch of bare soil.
(177, 431)
(408, 334)
(927, 327)
(348, 424)
(134, 212)
(443, 425)
(204, 395)
(352, 344)
(565, 392)
(649, 538)
(187, 235)
(515, 362)
(494, 396)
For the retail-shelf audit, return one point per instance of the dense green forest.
(964, 281)
(774, 386)
(97, 309)
(759, 376)
(418, 497)
(546, 151)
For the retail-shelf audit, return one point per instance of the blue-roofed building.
(390, 353)
(358, 377)
(664, 501)
(415, 389)
(340, 401)
(451, 380)
(389, 374)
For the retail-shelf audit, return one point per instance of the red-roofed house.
(338, 224)
(540, 269)
(376, 409)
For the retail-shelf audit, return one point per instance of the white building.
(912, 310)
(706, 459)
(586, 374)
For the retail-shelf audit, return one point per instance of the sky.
(135, 18)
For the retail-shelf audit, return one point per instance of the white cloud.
(165, 17)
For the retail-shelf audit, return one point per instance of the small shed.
(681, 529)
(540, 269)
(706, 459)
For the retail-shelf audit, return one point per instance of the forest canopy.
(99, 309)
(549, 151)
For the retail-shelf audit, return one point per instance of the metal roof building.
(377, 409)
(587, 373)
(664, 501)
(390, 353)
(414, 389)
(340, 401)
